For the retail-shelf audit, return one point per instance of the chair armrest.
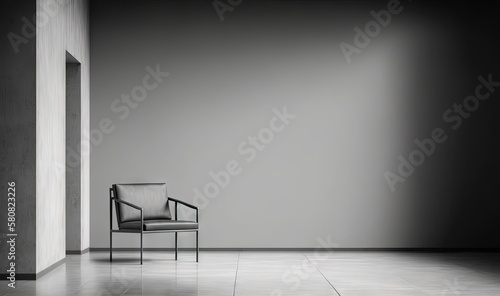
(183, 203)
(127, 204)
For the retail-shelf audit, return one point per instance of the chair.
(143, 209)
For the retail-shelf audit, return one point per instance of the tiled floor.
(271, 274)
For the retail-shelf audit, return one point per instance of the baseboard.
(19, 277)
(50, 268)
(423, 250)
(33, 276)
(77, 252)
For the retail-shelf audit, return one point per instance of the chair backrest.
(152, 197)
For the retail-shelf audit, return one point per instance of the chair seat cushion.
(163, 224)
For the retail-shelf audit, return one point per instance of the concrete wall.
(323, 174)
(66, 29)
(18, 132)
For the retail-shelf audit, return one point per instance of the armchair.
(143, 209)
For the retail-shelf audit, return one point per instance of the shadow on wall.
(454, 198)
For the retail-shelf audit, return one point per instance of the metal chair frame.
(112, 197)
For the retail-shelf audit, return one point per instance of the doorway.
(73, 155)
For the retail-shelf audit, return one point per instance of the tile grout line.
(236, 275)
(322, 275)
(134, 282)
(143, 268)
(139, 279)
(17, 286)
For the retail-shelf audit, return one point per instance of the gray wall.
(65, 30)
(18, 133)
(323, 175)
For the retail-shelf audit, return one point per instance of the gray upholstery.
(151, 225)
(152, 198)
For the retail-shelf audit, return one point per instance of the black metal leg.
(110, 246)
(110, 224)
(197, 246)
(176, 249)
(141, 247)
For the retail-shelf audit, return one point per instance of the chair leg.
(197, 246)
(110, 246)
(141, 247)
(176, 249)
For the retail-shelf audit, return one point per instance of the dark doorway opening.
(73, 155)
